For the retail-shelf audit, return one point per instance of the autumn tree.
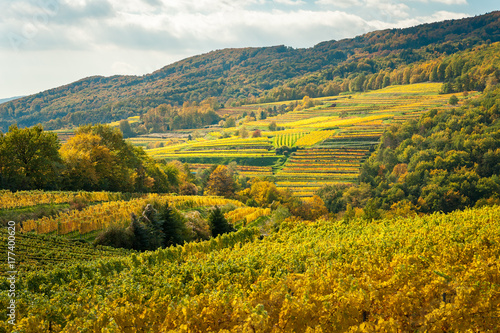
(453, 100)
(257, 133)
(262, 192)
(97, 158)
(221, 183)
(243, 132)
(90, 165)
(313, 208)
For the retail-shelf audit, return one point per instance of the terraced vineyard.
(245, 170)
(255, 151)
(308, 170)
(333, 137)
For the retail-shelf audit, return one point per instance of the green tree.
(29, 159)
(453, 100)
(172, 226)
(140, 239)
(230, 122)
(333, 198)
(243, 132)
(126, 129)
(272, 126)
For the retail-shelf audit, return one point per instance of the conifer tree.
(172, 226)
(218, 223)
(140, 239)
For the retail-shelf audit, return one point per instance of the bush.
(115, 237)
(453, 100)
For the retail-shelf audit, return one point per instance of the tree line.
(95, 158)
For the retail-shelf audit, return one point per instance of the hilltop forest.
(251, 75)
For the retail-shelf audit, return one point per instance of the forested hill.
(248, 74)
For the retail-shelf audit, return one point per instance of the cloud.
(438, 16)
(339, 3)
(290, 2)
(380, 9)
(447, 2)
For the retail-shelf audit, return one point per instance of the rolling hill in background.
(249, 75)
(5, 100)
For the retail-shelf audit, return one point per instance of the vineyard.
(18, 199)
(245, 170)
(432, 273)
(37, 252)
(352, 186)
(115, 213)
(306, 171)
(332, 138)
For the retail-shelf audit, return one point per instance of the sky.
(49, 43)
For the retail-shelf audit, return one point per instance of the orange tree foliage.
(97, 157)
(262, 192)
(221, 182)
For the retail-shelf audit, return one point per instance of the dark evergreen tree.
(153, 225)
(218, 223)
(140, 239)
(172, 226)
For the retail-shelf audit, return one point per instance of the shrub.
(116, 237)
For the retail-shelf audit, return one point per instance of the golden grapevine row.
(101, 216)
(18, 199)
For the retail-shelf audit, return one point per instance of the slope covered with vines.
(436, 272)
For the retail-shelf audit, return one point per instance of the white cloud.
(290, 2)
(339, 3)
(447, 2)
(382, 9)
(438, 16)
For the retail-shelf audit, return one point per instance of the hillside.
(431, 273)
(243, 75)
